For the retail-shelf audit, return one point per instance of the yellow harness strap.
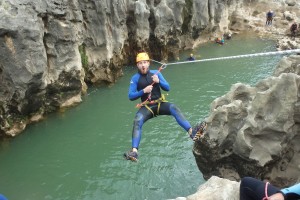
(159, 101)
(150, 110)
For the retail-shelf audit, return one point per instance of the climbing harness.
(164, 66)
(158, 101)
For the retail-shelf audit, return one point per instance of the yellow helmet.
(142, 56)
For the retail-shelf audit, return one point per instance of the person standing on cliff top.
(146, 84)
(269, 17)
(254, 189)
(293, 29)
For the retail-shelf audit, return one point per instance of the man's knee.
(174, 108)
(138, 118)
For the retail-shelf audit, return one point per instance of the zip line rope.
(233, 57)
(164, 65)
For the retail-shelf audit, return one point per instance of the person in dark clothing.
(147, 85)
(293, 29)
(254, 189)
(269, 17)
(191, 58)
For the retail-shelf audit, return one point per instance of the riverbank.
(252, 19)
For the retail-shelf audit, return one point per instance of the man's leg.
(141, 117)
(167, 108)
(171, 109)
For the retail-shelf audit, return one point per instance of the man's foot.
(131, 155)
(198, 131)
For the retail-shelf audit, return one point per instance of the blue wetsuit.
(191, 58)
(254, 189)
(2, 197)
(269, 18)
(137, 84)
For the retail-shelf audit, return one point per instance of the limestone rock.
(287, 43)
(254, 131)
(216, 188)
(289, 16)
(290, 2)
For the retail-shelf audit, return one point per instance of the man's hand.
(277, 196)
(148, 89)
(155, 78)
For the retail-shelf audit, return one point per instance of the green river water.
(77, 155)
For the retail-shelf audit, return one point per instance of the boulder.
(254, 131)
(216, 188)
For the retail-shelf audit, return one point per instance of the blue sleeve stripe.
(293, 189)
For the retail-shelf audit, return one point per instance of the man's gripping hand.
(148, 89)
(155, 78)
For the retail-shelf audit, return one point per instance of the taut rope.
(234, 57)
(164, 65)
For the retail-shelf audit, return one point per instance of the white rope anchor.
(234, 57)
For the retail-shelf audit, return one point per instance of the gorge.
(51, 51)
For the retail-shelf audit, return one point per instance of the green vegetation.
(84, 58)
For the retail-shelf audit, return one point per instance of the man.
(269, 17)
(293, 29)
(147, 85)
(191, 58)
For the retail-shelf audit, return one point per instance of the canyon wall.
(51, 50)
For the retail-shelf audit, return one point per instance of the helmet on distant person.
(142, 56)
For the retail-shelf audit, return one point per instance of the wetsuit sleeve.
(293, 189)
(163, 83)
(133, 94)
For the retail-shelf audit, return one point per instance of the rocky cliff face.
(50, 49)
(254, 131)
